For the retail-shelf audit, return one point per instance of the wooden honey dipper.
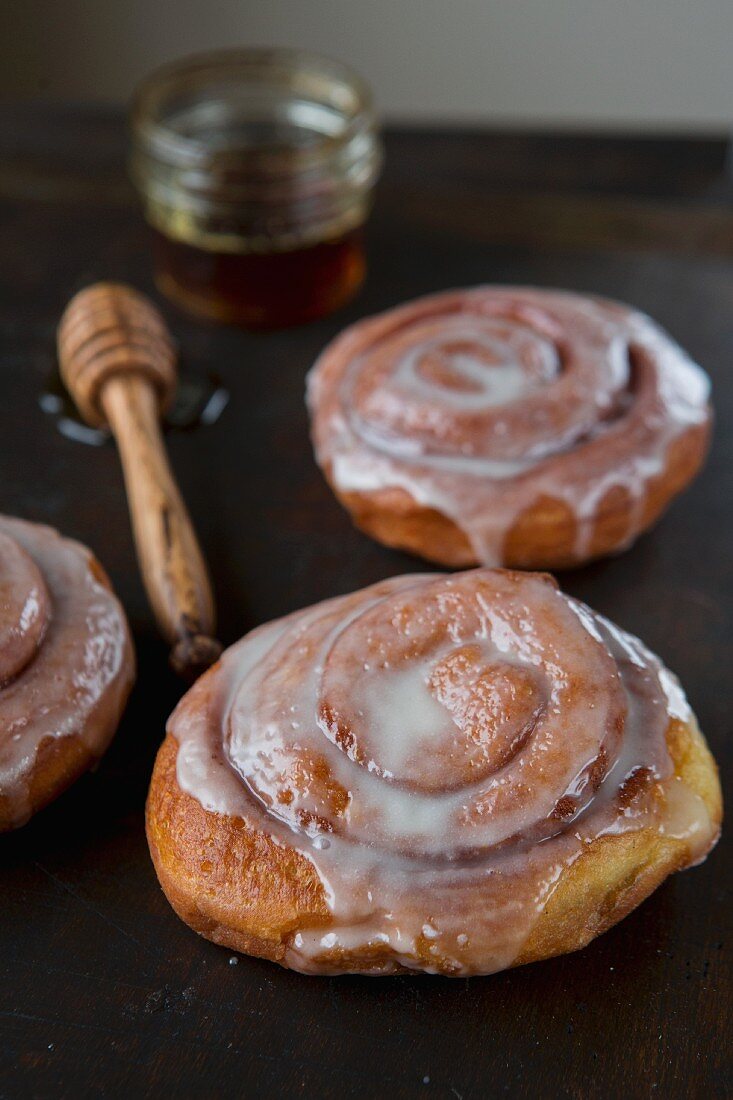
(118, 363)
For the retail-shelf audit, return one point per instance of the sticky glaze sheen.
(66, 662)
(481, 403)
(440, 749)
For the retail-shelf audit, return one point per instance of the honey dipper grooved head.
(109, 329)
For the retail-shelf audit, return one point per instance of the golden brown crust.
(231, 884)
(617, 873)
(543, 536)
(238, 888)
(60, 761)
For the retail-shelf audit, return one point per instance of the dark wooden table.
(103, 992)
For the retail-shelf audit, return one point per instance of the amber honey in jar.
(256, 170)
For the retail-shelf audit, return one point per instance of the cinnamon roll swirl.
(453, 774)
(66, 666)
(508, 426)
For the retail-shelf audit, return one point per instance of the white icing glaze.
(480, 403)
(66, 662)
(688, 819)
(440, 749)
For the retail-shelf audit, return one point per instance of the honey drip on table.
(199, 402)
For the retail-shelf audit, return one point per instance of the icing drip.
(480, 403)
(440, 749)
(65, 654)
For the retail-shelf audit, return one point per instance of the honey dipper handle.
(171, 561)
(118, 363)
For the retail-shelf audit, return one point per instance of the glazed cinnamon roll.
(508, 426)
(451, 774)
(66, 666)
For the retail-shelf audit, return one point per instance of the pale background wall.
(646, 63)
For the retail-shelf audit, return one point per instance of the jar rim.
(149, 98)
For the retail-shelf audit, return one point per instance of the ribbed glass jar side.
(255, 150)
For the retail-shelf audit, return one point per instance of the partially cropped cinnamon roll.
(451, 774)
(66, 665)
(508, 426)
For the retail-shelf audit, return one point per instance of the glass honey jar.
(256, 170)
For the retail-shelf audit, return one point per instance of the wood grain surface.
(103, 992)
